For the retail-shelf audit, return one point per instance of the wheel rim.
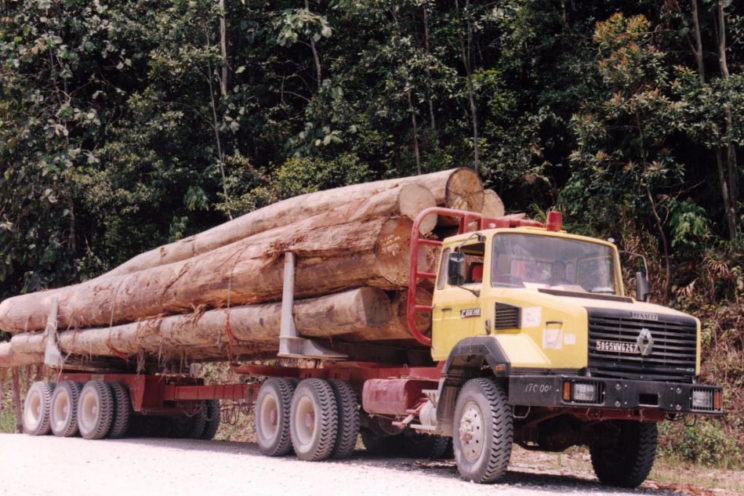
(269, 418)
(60, 410)
(88, 411)
(471, 432)
(33, 410)
(305, 420)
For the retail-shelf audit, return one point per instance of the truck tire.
(381, 438)
(348, 419)
(36, 408)
(95, 410)
(272, 410)
(483, 431)
(63, 411)
(627, 458)
(198, 422)
(313, 423)
(213, 419)
(122, 411)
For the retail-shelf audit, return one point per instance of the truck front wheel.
(483, 431)
(625, 453)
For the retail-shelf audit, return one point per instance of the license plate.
(617, 347)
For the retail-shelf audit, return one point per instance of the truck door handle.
(447, 309)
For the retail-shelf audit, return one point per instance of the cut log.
(357, 314)
(456, 188)
(12, 358)
(493, 207)
(372, 253)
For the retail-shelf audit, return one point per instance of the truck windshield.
(524, 260)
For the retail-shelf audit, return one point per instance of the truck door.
(457, 308)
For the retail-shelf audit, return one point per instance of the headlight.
(586, 393)
(702, 400)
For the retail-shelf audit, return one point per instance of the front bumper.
(616, 394)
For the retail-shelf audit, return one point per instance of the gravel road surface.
(48, 465)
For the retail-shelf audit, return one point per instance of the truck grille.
(617, 341)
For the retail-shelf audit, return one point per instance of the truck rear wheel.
(313, 421)
(626, 458)
(272, 416)
(63, 411)
(483, 431)
(122, 411)
(95, 410)
(36, 408)
(348, 419)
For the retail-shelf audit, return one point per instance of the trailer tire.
(313, 421)
(122, 411)
(63, 409)
(272, 413)
(627, 459)
(36, 408)
(213, 419)
(483, 431)
(198, 422)
(95, 410)
(348, 419)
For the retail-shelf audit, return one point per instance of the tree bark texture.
(330, 259)
(456, 188)
(361, 314)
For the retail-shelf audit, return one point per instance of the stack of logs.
(217, 293)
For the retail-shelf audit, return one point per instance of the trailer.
(533, 341)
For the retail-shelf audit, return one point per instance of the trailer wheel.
(122, 411)
(95, 410)
(313, 421)
(63, 410)
(198, 422)
(627, 458)
(348, 419)
(213, 419)
(36, 408)
(272, 416)
(483, 431)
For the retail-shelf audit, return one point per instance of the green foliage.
(705, 442)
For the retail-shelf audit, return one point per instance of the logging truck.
(525, 336)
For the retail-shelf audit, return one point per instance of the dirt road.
(31, 466)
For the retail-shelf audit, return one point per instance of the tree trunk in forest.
(456, 188)
(465, 49)
(329, 259)
(17, 406)
(726, 158)
(223, 49)
(316, 57)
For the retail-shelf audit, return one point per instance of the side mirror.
(642, 290)
(456, 268)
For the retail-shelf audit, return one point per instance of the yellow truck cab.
(542, 347)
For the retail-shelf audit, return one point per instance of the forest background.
(128, 124)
